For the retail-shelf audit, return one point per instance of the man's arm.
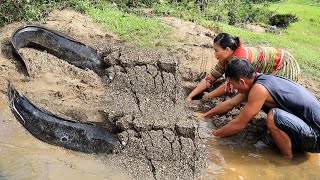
(256, 98)
(225, 106)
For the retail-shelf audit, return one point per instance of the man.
(293, 112)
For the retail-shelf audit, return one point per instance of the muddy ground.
(140, 96)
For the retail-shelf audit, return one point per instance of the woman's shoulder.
(265, 49)
(240, 51)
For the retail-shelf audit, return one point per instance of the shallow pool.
(230, 162)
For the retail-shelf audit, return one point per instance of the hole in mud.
(8, 51)
(282, 20)
(64, 139)
(188, 89)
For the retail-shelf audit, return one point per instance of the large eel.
(68, 133)
(58, 44)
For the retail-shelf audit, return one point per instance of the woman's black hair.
(226, 40)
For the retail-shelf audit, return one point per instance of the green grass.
(140, 30)
(301, 38)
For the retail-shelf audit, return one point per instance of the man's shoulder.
(267, 78)
(258, 90)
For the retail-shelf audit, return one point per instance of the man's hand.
(188, 99)
(225, 106)
(203, 116)
(214, 133)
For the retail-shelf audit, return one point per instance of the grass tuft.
(140, 30)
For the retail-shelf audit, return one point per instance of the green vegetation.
(140, 30)
(143, 31)
(301, 38)
(17, 10)
(228, 11)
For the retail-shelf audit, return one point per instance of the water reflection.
(24, 157)
(256, 162)
(263, 163)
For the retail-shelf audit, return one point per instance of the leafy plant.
(28, 10)
(143, 31)
(282, 20)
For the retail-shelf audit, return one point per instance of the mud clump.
(149, 110)
(139, 97)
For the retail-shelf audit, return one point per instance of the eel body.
(58, 44)
(68, 133)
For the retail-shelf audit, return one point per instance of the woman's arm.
(203, 85)
(215, 73)
(225, 106)
(215, 93)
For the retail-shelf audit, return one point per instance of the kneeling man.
(293, 112)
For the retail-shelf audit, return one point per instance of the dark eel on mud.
(58, 44)
(71, 134)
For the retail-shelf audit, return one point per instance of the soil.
(140, 97)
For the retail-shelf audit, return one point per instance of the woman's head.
(224, 46)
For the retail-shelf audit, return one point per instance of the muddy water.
(24, 157)
(230, 162)
(256, 162)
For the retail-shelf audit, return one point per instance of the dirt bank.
(139, 98)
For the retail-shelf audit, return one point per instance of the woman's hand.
(206, 96)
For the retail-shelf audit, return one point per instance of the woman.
(267, 60)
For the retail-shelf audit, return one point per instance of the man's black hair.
(238, 67)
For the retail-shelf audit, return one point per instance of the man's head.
(240, 73)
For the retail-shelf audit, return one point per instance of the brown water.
(24, 157)
(259, 163)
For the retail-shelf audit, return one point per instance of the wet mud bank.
(150, 114)
(139, 98)
(138, 95)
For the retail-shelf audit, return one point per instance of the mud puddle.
(24, 157)
(258, 161)
(267, 163)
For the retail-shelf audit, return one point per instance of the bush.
(228, 11)
(187, 10)
(29, 10)
(135, 3)
(236, 11)
(13, 10)
(282, 20)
